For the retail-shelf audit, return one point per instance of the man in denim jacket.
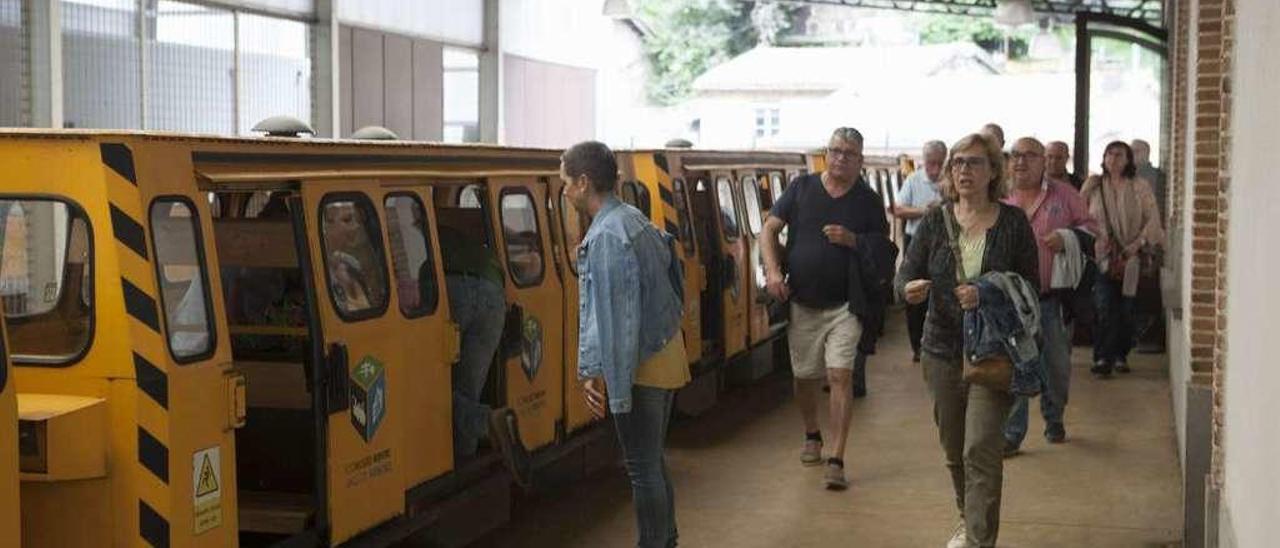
(630, 352)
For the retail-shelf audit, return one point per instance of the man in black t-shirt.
(826, 213)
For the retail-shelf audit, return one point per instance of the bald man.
(1057, 156)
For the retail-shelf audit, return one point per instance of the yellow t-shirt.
(668, 369)
(972, 249)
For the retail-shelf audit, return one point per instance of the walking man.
(1051, 207)
(631, 352)
(1056, 156)
(920, 193)
(827, 213)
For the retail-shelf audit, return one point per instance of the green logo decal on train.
(531, 347)
(368, 396)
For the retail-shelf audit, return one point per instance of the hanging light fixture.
(1013, 13)
(1045, 45)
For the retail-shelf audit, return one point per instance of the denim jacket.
(629, 304)
(1006, 321)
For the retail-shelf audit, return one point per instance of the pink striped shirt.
(1057, 206)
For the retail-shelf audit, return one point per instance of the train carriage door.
(757, 311)
(9, 521)
(534, 378)
(193, 353)
(569, 226)
(420, 313)
(734, 267)
(694, 272)
(362, 362)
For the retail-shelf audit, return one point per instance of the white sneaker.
(959, 538)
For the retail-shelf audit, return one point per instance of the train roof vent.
(679, 143)
(283, 126)
(375, 133)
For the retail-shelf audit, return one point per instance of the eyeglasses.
(838, 153)
(1020, 155)
(973, 162)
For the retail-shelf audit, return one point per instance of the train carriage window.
(353, 257)
(775, 186)
(751, 201)
(520, 231)
(575, 225)
(46, 258)
(728, 210)
(636, 194)
(682, 214)
(471, 197)
(184, 289)
(411, 255)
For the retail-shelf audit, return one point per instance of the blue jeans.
(479, 307)
(642, 433)
(1055, 372)
(1113, 328)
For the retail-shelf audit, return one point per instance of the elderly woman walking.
(1126, 207)
(989, 236)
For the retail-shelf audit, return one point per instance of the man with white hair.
(920, 193)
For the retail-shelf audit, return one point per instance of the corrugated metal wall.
(393, 81)
(546, 104)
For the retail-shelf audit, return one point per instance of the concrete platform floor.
(739, 482)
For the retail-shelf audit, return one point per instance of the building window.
(767, 122)
(461, 95)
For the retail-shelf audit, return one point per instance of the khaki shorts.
(822, 339)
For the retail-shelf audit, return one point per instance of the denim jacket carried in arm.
(1006, 322)
(629, 304)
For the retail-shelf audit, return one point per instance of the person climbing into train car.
(827, 213)
(990, 237)
(919, 194)
(1057, 214)
(631, 354)
(477, 304)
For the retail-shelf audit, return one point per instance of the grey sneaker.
(834, 478)
(959, 537)
(811, 455)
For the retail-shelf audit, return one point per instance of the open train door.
(9, 521)
(570, 226)
(535, 378)
(351, 277)
(734, 270)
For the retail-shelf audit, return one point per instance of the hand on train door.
(777, 286)
(597, 396)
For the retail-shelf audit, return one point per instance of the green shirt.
(465, 255)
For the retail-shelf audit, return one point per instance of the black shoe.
(859, 391)
(1101, 369)
(1055, 433)
(915, 358)
(504, 434)
(1010, 449)
(1122, 367)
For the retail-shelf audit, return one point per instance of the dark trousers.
(915, 314)
(1113, 332)
(642, 433)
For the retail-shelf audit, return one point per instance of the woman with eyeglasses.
(992, 237)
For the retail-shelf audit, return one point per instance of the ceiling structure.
(1148, 11)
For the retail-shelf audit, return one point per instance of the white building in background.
(901, 96)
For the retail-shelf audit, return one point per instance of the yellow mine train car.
(9, 493)
(225, 342)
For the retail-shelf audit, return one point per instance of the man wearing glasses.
(1056, 212)
(828, 213)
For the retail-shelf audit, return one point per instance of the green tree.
(690, 36)
(945, 29)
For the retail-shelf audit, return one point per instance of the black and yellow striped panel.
(656, 166)
(138, 287)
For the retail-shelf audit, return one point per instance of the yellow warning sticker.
(206, 466)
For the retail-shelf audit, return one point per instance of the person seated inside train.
(345, 239)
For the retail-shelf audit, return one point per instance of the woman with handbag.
(985, 235)
(1131, 232)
